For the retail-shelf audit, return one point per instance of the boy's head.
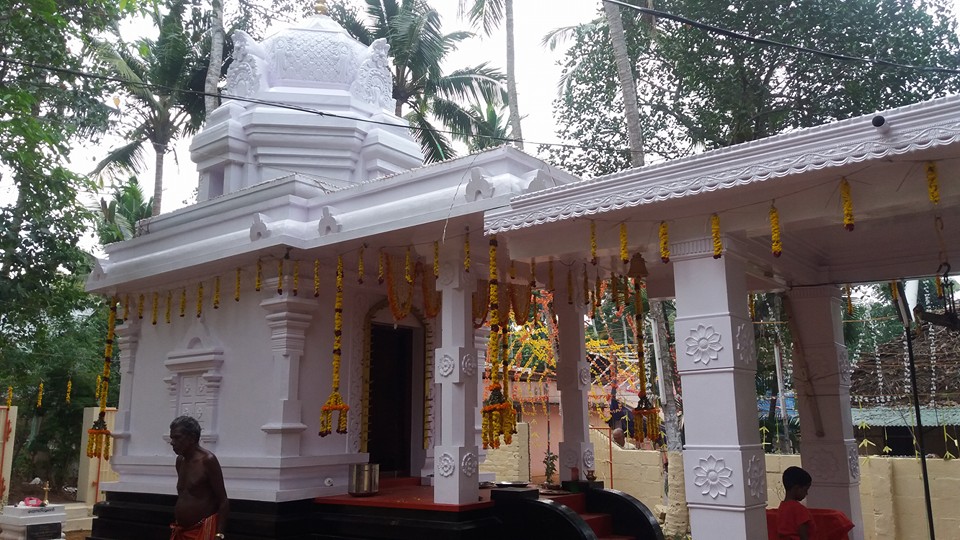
(796, 482)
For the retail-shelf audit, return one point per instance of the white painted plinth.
(14, 520)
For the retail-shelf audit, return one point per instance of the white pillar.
(723, 461)
(288, 318)
(822, 379)
(573, 381)
(456, 462)
(128, 340)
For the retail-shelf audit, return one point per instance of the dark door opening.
(389, 424)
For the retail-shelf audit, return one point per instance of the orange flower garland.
(847, 201)
(436, 259)
(776, 245)
(715, 234)
(400, 302)
(664, 234)
(933, 189)
(593, 242)
(624, 255)
(98, 442)
(498, 417)
(408, 268)
(335, 401)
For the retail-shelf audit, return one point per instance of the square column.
(128, 339)
(456, 461)
(723, 461)
(573, 381)
(822, 378)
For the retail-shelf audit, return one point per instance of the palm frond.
(436, 146)
(475, 84)
(123, 160)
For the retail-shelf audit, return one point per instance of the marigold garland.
(496, 419)
(69, 389)
(380, 268)
(593, 242)
(466, 251)
(40, 395)
(847, 202)
(199, 299)
(259, 277)
(751, 304)
(216, 292)
(153, 308)
(431, 296)
(140, 306)
(776, 246)
(335, 401)
(624, 255)
(126, 307)
(9, 396)
(96, 391)
(715, 234)
(664, 234)
(183, 302)
(400, 302)
(98, 442)
(280, 276)
(360, 265)
(933, 189)
(236, 287)
(494, 285)
(166, 313)
(436, 259)
(316, 278)
(939, 283)
(408, 268)
(296, 277)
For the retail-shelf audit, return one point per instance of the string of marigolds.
(498, 417)
(776, 245)
(9, 396)
(40, 395)
(98, 441)
(335, 401)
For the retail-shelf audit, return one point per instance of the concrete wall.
(511, 462)
(8, 434)
(94, 472)
(891, 488)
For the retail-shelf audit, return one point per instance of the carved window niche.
(194, 380)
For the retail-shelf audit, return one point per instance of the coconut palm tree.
(165, 80)
(489, 14)
(491, 129)
(422, 90)
(118, 217)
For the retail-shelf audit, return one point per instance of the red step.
(602, 524)
(574, 501)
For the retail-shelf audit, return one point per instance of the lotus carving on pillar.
(703, 344)
(712, 476)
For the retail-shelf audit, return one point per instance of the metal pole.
(781, 398)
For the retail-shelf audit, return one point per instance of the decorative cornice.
(915, 127)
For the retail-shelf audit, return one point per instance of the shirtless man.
(202, 504)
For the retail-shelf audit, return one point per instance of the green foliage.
(418, 48)
(700, 90)
(550, 464)
(118, 218)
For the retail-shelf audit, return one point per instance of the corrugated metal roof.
(904, 416)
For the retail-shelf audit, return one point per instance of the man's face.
(180, 441)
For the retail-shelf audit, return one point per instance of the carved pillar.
(288, 318)
(455, 372)
(822, 377)
(128, 339)
(573, 381)
(723, 461)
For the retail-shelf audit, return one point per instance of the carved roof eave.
(915, 127)
(294, 212)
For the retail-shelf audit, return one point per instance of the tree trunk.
(160, 150)
(627, 83)
(515, 131)
(212, 99)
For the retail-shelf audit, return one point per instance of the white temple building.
(231, 302)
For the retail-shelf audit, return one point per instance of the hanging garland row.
(335, 401)
(98, 441)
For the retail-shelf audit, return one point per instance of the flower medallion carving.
(584, 374)
(445, 366)
(745, 343)
(569, 460)
(446, 465)
(703, 344)
(447, 273)
(853, 461)
(756, 478)
(712, 476)
(469, 465)
(823, 464)
(468, 365)
(588, 460)
(844, 365)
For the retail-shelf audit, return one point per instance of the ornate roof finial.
(320, 7)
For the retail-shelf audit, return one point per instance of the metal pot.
(364, 479)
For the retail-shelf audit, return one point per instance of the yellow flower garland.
(408, 268)
(96, 391)
(776, 245)
(316, 278)
(98, 442)
(847, 201)
(183, 302)
(436, 259)
(153, 308)
(126, 307)
(380, 276)
(216, 292)
(9, 396)
(751, 303)
(40, 395)
(624, 255)
(498, 417)
(140, 306)
(280, 276)
(166, 314)
(939, 285)
(664, 242)
(69, 389)
(715, 234)
(199, 299)
(296, 277)
(335, 401)
(259, 278)
(360, 265)
(593, 242)
(236, 287)
(466, 251)
(933, 189)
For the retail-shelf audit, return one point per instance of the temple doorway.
(391, 398)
